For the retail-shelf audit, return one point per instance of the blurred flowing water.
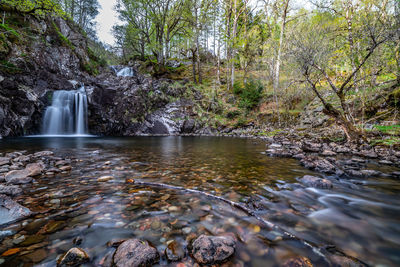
(359, 217)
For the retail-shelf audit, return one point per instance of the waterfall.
(67, 114)
(125, 72)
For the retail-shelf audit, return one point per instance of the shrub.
(249, 93)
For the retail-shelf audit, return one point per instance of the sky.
(108, 17)
(105, 20)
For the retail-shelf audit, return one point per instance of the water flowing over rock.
(126, 72)
(135, 253)
(67, 113)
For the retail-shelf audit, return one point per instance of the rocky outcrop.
(58, 58)
(32, 68)
(139, 105)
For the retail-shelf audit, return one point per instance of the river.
(359, 217)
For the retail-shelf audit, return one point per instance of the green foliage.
(8, 30)
(250, 93)
(388, 129)
(8, 67)
(63, 40)
(91, 67)
(39, 8)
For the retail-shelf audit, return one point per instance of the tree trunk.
(279, 55)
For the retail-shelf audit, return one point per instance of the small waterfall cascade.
(67, 114)
(124, 71)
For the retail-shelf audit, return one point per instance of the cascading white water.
(67, 114)
(125, 72)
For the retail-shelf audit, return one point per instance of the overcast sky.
(105, 20)
(108, 18)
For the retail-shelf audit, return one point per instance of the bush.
(250, 93)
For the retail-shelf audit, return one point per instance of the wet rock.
(328, 153)
(65, 168)
(18, 177)
(369, 173)
(10, 190)
(43, 154)
(316, 182)
(74, 257)
(297, 262)
(11, 210)
(395, 174)
(368, 154)
(174, 251)
(311, 147)
(35, 169)
(213, 249)
(36, 256)
(354, 173)
(33, 239)
(319, 164)
(105, 178)
(385, 162)
(339, 260)
(135, 253)
(34, 226)
(77, 240)
(4, 161)
(54, 226)
(22, 159)
(115, 242)
(358, 160)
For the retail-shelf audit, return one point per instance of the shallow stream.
(359, 218)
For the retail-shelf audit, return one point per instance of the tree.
(317, 55)
(31, 7)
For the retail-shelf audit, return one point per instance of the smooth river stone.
(135, 253)
(18, 177)
(11, 210)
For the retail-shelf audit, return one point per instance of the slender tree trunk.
(279, 55)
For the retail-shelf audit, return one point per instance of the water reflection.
(360, 219)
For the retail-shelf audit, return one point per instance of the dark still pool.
(182, 196)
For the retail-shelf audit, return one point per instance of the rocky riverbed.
(177, 201)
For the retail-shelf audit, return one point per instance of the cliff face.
(39, 57)
(36, 58)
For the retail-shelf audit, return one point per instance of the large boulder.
(11, 211)
(18, 177)
(135, 253)
(35, 168)
(213, 249)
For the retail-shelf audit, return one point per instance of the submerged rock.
(297, 262)
(135, 253)
(10, 190)
(316, 182)
(11, 210)
(174, 251)
(213, 249)
(74, 257)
